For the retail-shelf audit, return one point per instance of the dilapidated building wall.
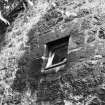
(76, 75)
(60, 54)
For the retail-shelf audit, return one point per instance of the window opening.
(57, 52)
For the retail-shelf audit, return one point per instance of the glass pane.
(60, 54)
(50, 59)
(57, 51)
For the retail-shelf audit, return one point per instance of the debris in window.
(57, 51)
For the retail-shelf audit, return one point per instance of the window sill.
(50, 69)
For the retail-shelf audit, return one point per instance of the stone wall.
(83, 75)
(81, 80)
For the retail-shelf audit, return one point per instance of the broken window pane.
(57, 51)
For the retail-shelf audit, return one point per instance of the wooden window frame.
(48, 49)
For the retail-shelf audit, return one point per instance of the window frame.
(49, 48)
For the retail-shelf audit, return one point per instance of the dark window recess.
(57, 52)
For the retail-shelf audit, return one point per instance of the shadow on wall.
(3, 28)
(29, 67)
(29, 72)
